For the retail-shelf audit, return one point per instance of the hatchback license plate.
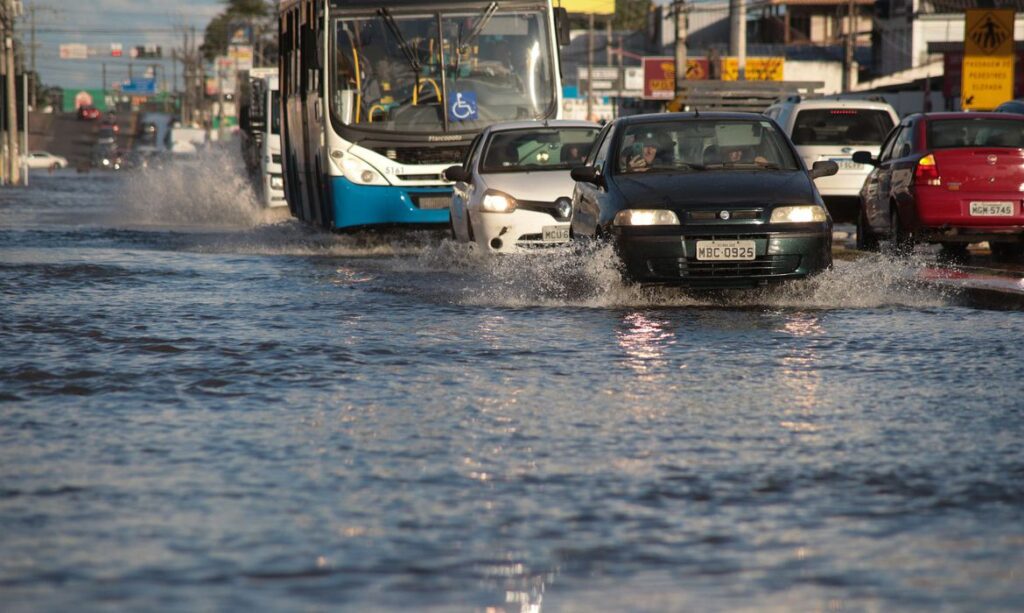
(555, 234)
(725, 250)
(992, 209)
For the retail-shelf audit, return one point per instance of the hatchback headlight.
(495, 202)
(646, 217)
(802, 213)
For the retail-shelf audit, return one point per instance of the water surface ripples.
(202, 409)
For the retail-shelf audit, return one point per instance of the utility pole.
(738, 35)
(590, 66)
(220, 103)
(680, 15)
(13, 159)
(851, 39)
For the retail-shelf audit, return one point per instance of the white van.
(826, 129)
(260, 131)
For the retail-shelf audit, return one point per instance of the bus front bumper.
(356, 206)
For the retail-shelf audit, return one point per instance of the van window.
(844, 126)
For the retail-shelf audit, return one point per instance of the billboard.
(597, 7)
(757, 69)
(74, 51)
(659, 77)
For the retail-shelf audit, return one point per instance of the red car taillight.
(927, 171)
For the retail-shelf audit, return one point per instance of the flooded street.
(205, 408)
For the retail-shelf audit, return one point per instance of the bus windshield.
(461, 70)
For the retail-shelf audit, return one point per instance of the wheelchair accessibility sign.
(463, 107)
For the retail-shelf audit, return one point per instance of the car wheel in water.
(900, 239)
(867, 240)
(1007, 252)
(469, 228)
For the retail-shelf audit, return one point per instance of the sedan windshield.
(537, 149)
(704, 144)
(460, 70)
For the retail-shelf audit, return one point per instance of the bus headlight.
(358, 171)
(802, 213)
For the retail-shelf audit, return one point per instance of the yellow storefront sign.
(597, 7)
(987, 79)
(758, 68)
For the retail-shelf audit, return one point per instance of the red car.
(88, 113)
(948, 178)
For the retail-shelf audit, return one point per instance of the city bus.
(380, 96)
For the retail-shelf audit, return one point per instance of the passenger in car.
(742, 155)
(644, 160)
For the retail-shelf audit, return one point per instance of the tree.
(256, 13)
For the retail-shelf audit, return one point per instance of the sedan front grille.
(763, 267)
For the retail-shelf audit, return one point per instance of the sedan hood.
(715, 187)
(538, 186)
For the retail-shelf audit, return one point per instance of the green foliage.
(260, 13)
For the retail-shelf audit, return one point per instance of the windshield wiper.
(403, 44)
(481, 23)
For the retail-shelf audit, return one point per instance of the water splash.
(590, 277)
(211, 190)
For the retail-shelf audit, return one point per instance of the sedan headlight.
(356, 170)
(276, 182)
(646, 217)
(495, 202)
(802, 213)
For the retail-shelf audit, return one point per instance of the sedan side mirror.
(824, 168)
(586, 174)
(864, 157)
(457, 174)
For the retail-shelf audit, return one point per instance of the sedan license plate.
(725, 251)
(433, 202)
(555, 234)
(984, 208)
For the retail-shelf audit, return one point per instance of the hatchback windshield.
(704, 144)
(948, 133)
(843, 126)
(537, 149)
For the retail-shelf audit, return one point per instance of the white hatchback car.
(513, 191)
(827, 129)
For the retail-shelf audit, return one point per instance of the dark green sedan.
(703, 200)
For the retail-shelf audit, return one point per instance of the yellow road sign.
(987, 76)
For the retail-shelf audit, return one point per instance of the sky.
(98, 23)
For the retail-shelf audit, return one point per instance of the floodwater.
(205, 409)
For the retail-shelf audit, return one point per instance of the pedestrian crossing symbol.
(989, 32)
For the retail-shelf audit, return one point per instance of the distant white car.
(832, 129)
(45, 159)
(513, 192)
